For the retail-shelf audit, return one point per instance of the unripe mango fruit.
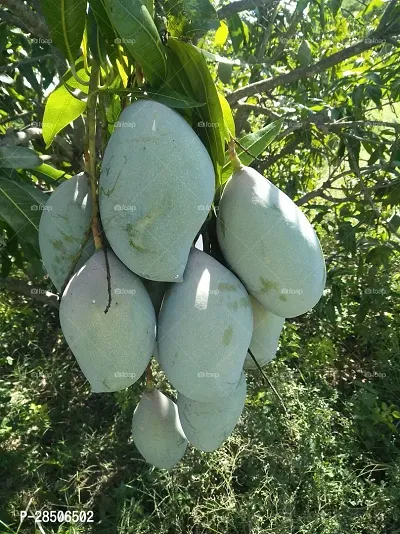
(157, 430)
(207, 425)
(270, 244)
(112, 349)
(63, 224)
(265, 339)
(156, 188)
(204, 330)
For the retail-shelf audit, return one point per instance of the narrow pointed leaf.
(66, 22)
(228, 118)
(18, 157)
(255, 144)
(62, 107)
(210, 127)
(21, 206)
(139, 36)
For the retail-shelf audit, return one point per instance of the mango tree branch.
(28, 18)
(373, 40)
(225, 12)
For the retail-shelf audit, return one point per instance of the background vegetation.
(328, 461)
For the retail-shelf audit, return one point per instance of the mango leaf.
(62, 107)
(21, 206)
(375, 94)
(334, 6)
(103, 22)
(221, 35)
(177, 79)
(164, 96)
(185, 17)
(66, 22)
(374, 4)
(236, 32)
(304, 55)
(221, 59)
(229, 123)
(139, 36)
(18, 157)
(347, 237)
(48, 174)
(255, 143)
(211, 126)
(225, 73)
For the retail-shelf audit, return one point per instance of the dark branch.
(28, 18)
(305, 72)
(240, 5)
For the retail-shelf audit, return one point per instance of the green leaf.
(396, 414)
(103, 22)
(374, 4)
(186, 17)
(221, 59)
(174, 99)
(229, 123)
(18, 157)
(140, 37)
(255, 143)
(375, 94)
(334, 6)
(347, 237)
(61, 109)
(236, 32)
(48, 174)
(224, 72)
(66, 22)
(21, 206)
(211, 126)
(177, 79)
(304, 54)
(221, 35)
(164, 95)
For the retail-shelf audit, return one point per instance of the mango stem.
(236, 163)
(90, 153)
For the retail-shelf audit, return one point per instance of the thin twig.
(269, 381)
(108, 279)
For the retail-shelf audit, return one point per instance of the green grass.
(330, 466)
